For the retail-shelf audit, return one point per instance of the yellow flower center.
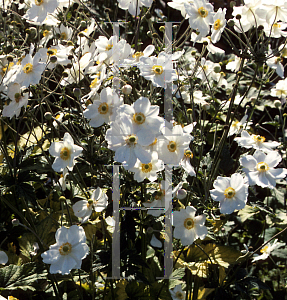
(217, 24)
(52, 51)
(229, 193)
(264, 249)
(203, 12)
(235, 124)
(103, 108)
(28, 68)
(39, 2)
(45, 32)
(157, 70)
(146, 168)
(17, 97)
(262, 167)
(188, 153)
(65, 153)
(188, 223)
(139, 118)
(131, 140)
(65, 249)
(171, 146)
(138, 54)
(179, 295)
(276, 25)
(109, 47)
(258, 138)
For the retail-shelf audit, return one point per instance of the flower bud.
(217, 69)
(230, 23)
(48, 115)
(277, 103)
(238, 17)
(15, 222)
(127, 89)
(181, 194)
(77, 92)
(53, 59)
(162, 28)
(189, 111)
(62, 198)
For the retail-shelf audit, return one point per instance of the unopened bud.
(162, 28)
(70, 43)
(15, 222)
(230, 23)
(181, 194)
(217, 69)
(77, 92)
(127, 89)
(10, 58)
(189, 111)
(277, 103)
(48, 115)
(62, 198)
(53, 59)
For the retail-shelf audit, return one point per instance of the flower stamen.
(157, 69)
(229, 193)
(65, 153)
(139, 118)
(188, 223)
(146, 168)
(65, 249)
(103, 108)
(262, 167)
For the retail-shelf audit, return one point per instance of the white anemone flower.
(218, 25)
(65, 153)
(149, 170)
(103, 110)
(143, 115)
(280, 90)
(177, 293)
(267, 249)
(188, 227)
(179, 5)
(259, 168)
(31, 69)
(68, 252)
(275, 63)
(158, 69)
(237, 126)
(84, 208)
(128, 142)
(40, 9)
(230, 192)
(172, 143)
(3, 258)
(134, 6)
(19, 99)
(200, 16)
(185, 163)
(255, 141)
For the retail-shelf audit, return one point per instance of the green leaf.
(247, 212)
(23, 277)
